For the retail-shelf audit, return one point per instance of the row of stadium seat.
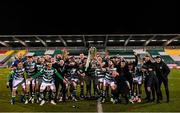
(57, 52)
(127, 54)
(3, 51)
(23, 52)
(77, 52)
(155, 52)
(177, 62)
(166, 58)
(121, 52)
(38, 53)
(49, 52)
(4, 57)
(175, 55)
(173, 52)
(42, 52)
(176, 58)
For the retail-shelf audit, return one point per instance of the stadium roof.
(90, 40)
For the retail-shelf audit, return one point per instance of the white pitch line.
(99, 107)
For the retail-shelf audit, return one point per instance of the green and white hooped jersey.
(48, 74)
(93, 64)
(18, 73)
(39, 67)
(108, 75)
(99, 73)
(30, 69)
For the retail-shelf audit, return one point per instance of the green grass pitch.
(91, 105)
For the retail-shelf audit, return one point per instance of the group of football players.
(54, 79)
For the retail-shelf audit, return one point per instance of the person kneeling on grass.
(17, 79)
(48, 81)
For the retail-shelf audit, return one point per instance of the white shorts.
(44, 85)
(74, 80)
(108, 82)
(17, 82)
(101, 80)
(138, 79)
(28, 82)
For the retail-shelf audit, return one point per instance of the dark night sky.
(88, 18)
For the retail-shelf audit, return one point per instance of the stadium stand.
(30, 54)
(166, 45)
(167, 59)
(4, 57)
(39, 52)
(178, 63)
(77, 52)
(23, 52)
(154, 52)
(141, 53)
(127, 54)
(175, 55)
(3, 52)
(57, 52)
(173, 52)
(49, 52)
